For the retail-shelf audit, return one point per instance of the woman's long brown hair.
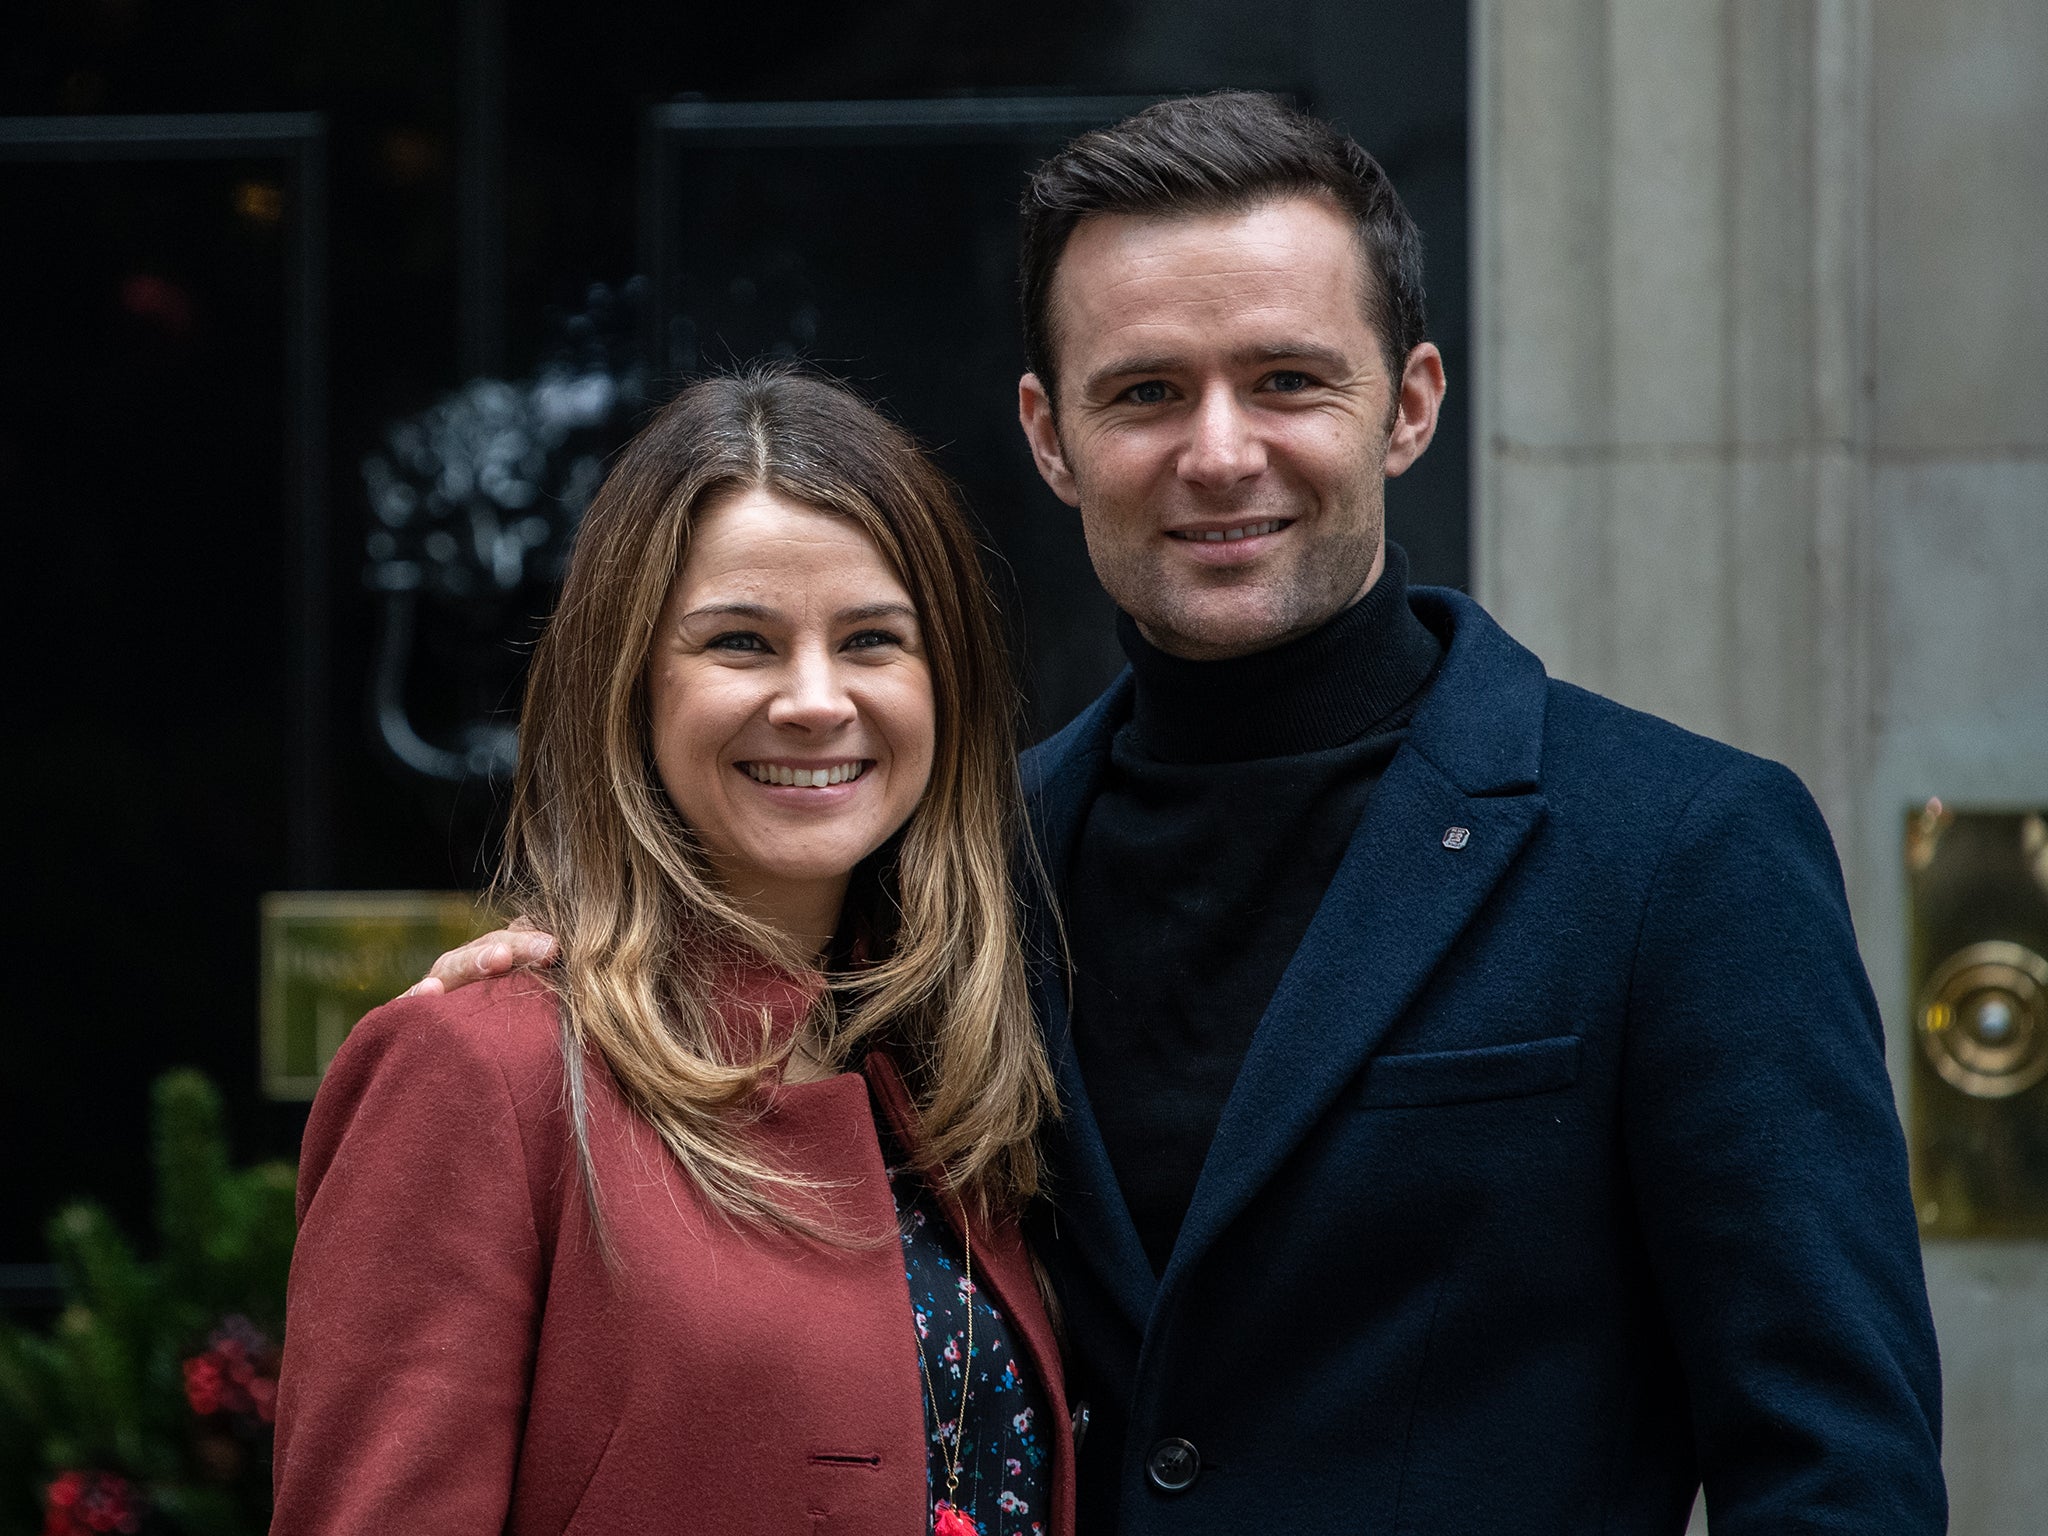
(596, 853)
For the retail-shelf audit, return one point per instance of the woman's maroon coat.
(459, 1358)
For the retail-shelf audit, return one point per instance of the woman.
(624, 1247)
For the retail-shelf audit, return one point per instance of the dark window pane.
(142, 490)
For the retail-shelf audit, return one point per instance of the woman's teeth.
(1232, 535)
(803, 778)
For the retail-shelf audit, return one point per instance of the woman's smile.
(805, 775)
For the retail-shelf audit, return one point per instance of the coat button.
(1173, 1466)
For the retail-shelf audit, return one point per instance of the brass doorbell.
(1977, 901)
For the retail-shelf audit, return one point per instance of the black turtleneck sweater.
(1231, 794)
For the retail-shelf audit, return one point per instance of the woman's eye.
(1151, 392)
(872, 639)
(738, 640)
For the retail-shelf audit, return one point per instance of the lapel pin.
(1457, 837)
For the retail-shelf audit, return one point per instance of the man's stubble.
(1332, 569)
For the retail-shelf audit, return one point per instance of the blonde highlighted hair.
(597, 854)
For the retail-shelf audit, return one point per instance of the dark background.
(191, 637)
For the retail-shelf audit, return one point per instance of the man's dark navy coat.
(1562, 1173)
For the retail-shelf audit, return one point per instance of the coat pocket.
(1464, 1077)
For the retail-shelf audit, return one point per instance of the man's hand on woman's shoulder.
(517, 944)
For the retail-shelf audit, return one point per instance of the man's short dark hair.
(1221, 153)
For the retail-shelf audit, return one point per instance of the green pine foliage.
(115, 1389)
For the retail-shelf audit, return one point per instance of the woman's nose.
(813, 696)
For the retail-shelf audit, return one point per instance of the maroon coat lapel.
(1005, 1264)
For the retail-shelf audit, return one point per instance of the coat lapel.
(1397, 903)
(1002, 1264)
(1000, 1259)
(1088, 1216)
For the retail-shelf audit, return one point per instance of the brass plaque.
(1977, 893)
(329, 957)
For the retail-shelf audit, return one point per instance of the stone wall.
(1761, 329)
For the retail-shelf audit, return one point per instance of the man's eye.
(1288, 382)
(1151, 392)
(738, 640)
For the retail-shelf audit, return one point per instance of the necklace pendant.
(950, 1521)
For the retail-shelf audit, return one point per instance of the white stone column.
(1673, 481)
(1762, 446)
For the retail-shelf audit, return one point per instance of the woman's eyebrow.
(859, 614)
(731, 611)
(886, 610)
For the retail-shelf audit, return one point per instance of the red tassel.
(948, 1521)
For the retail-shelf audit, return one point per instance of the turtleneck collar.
(1330, 686)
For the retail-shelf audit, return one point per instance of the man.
(1476, 1111)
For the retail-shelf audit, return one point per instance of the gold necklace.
(948, 1519)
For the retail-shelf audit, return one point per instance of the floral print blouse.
(1005, 1469)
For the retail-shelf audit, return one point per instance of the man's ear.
(1416, 408)
(1034, 413)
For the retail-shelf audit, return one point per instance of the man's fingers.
(474, 961)
(494, 954)
(521, 946)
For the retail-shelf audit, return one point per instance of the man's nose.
(1223, 445)
(813, 696)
